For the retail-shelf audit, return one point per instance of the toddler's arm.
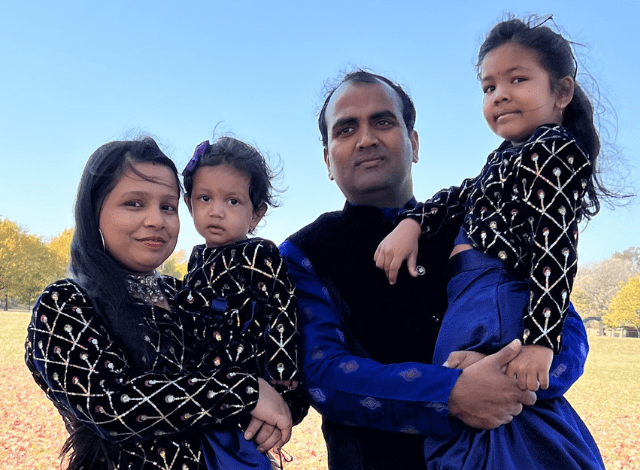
(399, 245)
(531, 367)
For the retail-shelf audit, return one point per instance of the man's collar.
(388, 213)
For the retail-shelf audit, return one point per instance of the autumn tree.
(60, 248)
(175, 265)
(597, 283)
(625, 306)
(26, 264)
(10, 234)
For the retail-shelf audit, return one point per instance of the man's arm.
(408, 397)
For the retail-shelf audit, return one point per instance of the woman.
(129, 376)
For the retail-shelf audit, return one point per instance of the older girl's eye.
(519, 80)
(169, 208)
(204, 198)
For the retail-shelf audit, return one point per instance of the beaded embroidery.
(145, 288)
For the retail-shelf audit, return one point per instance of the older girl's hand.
(399, 245)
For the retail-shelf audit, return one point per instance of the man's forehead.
(352, 97)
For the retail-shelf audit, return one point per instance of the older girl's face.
(139, 218)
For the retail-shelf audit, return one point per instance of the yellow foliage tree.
(26, 265)
(60, 248)
(176, 265)
(625, 306)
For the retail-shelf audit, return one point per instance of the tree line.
(607, 291)
(29, 263)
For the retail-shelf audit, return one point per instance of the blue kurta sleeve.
(409, 397)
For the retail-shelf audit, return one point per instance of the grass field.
(607, 397)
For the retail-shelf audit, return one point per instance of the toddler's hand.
(265, 435)
(399, 245)
(271, 409)
(531, 367)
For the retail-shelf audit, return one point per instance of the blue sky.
(75, 75)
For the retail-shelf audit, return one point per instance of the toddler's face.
(220, 205)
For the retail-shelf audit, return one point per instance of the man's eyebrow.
(343, 122)
(384, 114)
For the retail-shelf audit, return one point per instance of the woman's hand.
(271, 424)
(399, 245)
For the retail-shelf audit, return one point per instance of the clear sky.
(76, 74)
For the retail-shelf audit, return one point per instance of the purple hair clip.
(200, 150)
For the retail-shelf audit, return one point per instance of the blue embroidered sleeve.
(409, 397)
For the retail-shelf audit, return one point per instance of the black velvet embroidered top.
(522, 208)
(156, 416)
(244, 294)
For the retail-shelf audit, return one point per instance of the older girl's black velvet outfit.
(520, 216)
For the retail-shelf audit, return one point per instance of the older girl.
(512, 269)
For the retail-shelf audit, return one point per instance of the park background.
(76, 74)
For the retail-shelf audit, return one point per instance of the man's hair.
(363, 76)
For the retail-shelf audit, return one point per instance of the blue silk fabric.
(486, 305)
(229, 450)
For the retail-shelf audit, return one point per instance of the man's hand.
(399, 245)
(531, 367)
(463, 359)
(484, 397)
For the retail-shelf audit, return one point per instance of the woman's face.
(139, 218)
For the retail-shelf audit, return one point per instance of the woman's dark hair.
(95, 269)
(557, 58)
(104, 279)
(364, 76)
(243, 158)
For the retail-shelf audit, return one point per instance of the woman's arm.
(88, 374)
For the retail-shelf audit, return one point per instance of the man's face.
(369, 151)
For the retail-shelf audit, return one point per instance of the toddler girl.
(239, 289)
(514, 260)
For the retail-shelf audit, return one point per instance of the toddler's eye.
(488, 89)
(233, 202)
(169, 207)
(204, 198)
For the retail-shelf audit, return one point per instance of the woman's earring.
(104, 247)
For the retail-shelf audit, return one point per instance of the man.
(367, 345)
